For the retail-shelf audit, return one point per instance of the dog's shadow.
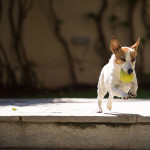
(121, 114)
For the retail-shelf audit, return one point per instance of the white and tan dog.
(109, 80)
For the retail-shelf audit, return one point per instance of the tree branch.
(11, 80)
(145, 17)
(132, 6)
(17, 34)
(101, 43)
(63, 42)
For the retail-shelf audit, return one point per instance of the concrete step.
(74, 124)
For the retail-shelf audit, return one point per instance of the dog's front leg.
(115, 91)
(133, 88)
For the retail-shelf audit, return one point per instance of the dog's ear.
(135, 46)
(115, 45)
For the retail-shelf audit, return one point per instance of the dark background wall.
(52, 44)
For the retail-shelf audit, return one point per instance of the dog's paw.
(99, 111)
(125, 96)
(132, 94)
(109, 106)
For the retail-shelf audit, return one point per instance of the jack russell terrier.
(121, 62)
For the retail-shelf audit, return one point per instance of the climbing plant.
(17, 13)
(57, 30)
(100, 43)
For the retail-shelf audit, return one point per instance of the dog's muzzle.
(130, 71)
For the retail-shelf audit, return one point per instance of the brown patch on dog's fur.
(120, 54)
(125, 49)
(115, 45)
(133, 55)
(135, 46)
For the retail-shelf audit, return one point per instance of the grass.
(71, 93)
(68, 93)
(143, 93)
(91, 93)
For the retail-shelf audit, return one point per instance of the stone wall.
(79, 30)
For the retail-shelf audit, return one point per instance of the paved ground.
(69, 107)
(73, 107)
(74, 124)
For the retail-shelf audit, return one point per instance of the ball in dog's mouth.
(126, 78)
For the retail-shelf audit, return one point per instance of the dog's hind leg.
(101, 93)
(109, 103)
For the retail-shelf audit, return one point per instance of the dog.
(109, 79)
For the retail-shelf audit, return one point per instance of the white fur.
(109, 81)
(128, 63)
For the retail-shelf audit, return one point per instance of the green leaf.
(113, 18)
(125, 24)
(142, 40)
(92, 15)
(131, 1)
(32, 64)
(59, 21)
(14, 109)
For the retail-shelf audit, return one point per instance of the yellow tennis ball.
(126, 78)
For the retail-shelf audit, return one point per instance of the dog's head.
(125, 57)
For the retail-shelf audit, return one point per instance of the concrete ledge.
(73, 124)
(96, 119)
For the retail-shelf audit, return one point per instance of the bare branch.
(145, 17)
(101, 43)
(62, 41)
(132, 7)
(30, 4)
(1, 10)
(10, 12)
(17, 34)
(10, 72)
(11, 81)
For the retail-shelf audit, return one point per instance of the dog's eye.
(133, 60)
(123, 59)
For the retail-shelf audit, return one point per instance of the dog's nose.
(130, 71)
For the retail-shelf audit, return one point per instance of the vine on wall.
(100, 44)
(28, 77)
(57, 30)
(5, 66)
(16, 22)
(115, 22)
